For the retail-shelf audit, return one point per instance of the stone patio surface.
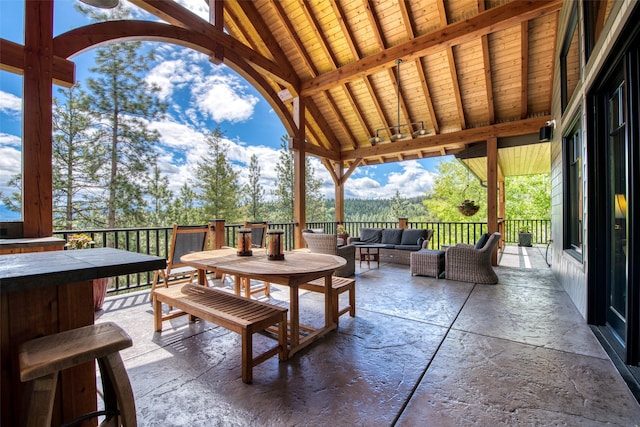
(420, 352)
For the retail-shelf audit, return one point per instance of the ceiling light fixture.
(398, 135)
(102, 4)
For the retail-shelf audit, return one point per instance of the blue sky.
(202, 96)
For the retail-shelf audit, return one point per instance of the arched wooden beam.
(81, 39)
(240, 59)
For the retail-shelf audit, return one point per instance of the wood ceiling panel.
(504, 51)
(473, 88)
(540, 79)
(460, 10)
(442, 92)
(424, 15)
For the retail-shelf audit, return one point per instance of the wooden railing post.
(403, 222)
(217, 232)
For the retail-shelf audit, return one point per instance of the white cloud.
(10, 160)
(168, 75)
(10, 104)
(223, 97)
(411, 180)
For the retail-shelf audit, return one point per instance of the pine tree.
(161, 197)
(218, 182)
(315, 207)
(76, 160)
(183, 209)
(254, 191)
(123, 103)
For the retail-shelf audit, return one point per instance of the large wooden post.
(37, 187)
(492, 190)
(299, 176)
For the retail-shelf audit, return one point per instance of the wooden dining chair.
(185, 239)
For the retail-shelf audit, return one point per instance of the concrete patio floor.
(420, 352)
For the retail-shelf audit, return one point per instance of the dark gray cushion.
(407, 247)
(410, 236)
(392, 236)
(370, 235)
(482, 241)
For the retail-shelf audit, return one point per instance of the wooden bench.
(339, 285)
(236, 313)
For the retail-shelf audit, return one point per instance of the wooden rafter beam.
(12, 60)
(216, 18)
(492, 20)
(175, 14)
(356, 108)
(341, 120)
(465, 136)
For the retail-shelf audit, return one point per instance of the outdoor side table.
(427, 262)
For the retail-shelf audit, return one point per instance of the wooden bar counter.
(42, 293)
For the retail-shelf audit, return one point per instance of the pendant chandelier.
(398, 135)
(102, 4)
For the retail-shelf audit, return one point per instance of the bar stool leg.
(118, 394)
(42, 391)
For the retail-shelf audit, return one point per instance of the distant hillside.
(382, 209)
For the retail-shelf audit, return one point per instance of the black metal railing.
(156, 240)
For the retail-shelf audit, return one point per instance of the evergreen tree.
(218, 181)
(123, 104)
(161, 197)
(76, 160)
(399, 207)
(183, 209)
(13, 201)
(315, 207)
(283, 191)
(254, 191)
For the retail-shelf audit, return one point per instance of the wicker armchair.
(468, 264)
(328, 244)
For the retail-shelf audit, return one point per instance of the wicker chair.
(465, 263)
(328, 244)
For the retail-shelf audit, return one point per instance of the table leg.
(294, 315)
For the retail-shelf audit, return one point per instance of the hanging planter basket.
(468, 208)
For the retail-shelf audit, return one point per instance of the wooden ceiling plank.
(376, 30)
(346, 29)
(427, 95)
(256, 20)
(293, 35)
(406, 20)
(320, 35)
(175, 14)
(376, 103)
(524, 70)
(492, 20)
(356, 108)
(340, 118)
(452, 69)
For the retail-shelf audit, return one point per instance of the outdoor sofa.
(398, 243)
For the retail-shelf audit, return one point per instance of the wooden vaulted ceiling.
(471, 70)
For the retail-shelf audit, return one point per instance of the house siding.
(572, 273)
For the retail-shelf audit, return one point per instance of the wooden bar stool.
(41, 360)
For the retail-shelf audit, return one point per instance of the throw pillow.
(482, 241)
(392, 236)
(410, 236)
(370, 235)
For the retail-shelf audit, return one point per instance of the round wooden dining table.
(297, 268)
